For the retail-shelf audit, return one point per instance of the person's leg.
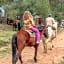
(50, 36)
(37, 34)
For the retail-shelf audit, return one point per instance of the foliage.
(39, 7)
(5, 34)
(57, 6)
(12, 13)
(2, 2)
(62, 62)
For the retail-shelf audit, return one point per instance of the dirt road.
(54, 56)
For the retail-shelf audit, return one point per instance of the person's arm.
(32, 21)
(53, 21)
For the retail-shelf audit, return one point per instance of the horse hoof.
(22, 63)
(35, 59)
(50, 49)
(45, 51)
(52, 46)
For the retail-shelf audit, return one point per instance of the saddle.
(41, 28)
(31, 33)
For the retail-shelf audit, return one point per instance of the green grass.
(5, 52)
(62, 62)
(6, 33)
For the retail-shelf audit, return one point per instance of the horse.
(55, 26)
(52, 33)
(22, 39)
(15, 25)
(10, 21)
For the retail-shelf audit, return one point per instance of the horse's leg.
(52, 46)
(16, 28)
(45, 48)
(20, 57)
(53, 36)
(13, 28)
(45, 45)
(55, 32)
(50, 40)
(35, 57)
(20, 48)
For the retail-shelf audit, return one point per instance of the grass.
(5, 52)
(6, 33)
(62, 62)
(5, 37)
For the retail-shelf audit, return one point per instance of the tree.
(40, 7)
(36, 7)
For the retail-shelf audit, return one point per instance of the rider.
(29, 23)
(50, 20)
(49, 23)
(40, 22)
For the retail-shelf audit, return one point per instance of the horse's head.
(43, 31)
(41, 28)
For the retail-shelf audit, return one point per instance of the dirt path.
(54, 56)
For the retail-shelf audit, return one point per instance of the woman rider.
(30, 24)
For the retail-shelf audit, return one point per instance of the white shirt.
(50, 21)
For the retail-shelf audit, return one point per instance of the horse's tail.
(14, 49)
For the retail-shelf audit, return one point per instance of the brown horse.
(20, 40)
(15, 25)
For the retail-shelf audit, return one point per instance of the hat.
(49, 15)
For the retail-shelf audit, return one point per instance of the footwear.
(41, 40)
(38, 42)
